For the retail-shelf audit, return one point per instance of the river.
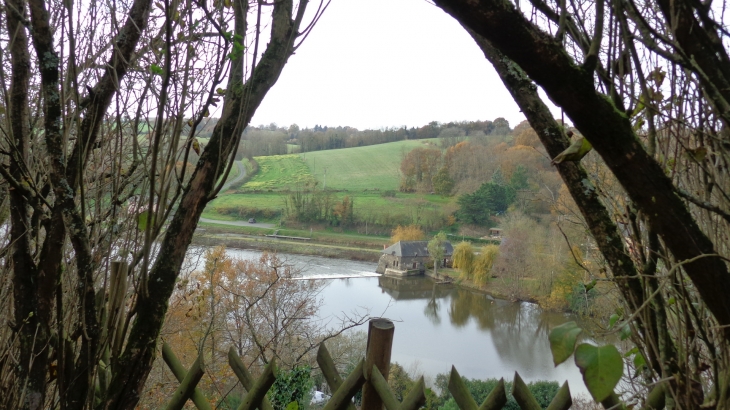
(440, 325)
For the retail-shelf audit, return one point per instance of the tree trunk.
(610, 132)
(240, 103)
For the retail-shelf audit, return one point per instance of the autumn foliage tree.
(483, 263)
(463, 258)
(418, 168)
(258, 307)
(407, 233)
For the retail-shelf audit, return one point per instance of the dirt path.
(226, 186)
(237, 223)
(238, 178)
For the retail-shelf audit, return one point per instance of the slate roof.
(415, 248)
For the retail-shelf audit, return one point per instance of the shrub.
(244, 212)
(580, 300)
(291, 386)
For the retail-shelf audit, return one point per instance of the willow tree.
(647, 85)
(98, 136)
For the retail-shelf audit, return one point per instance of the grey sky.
(384, 63)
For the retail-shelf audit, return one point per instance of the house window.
(415, 265)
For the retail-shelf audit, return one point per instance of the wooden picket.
(370, 376)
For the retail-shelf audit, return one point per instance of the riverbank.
(329, 245)
(217, 236)
(492, 288)
(334, 245)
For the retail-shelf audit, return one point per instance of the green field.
(364, 174)
(280, 172)
(361, 168)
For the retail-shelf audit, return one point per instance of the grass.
(363, 173)
(368, 203)
(279, 172)
(362, 168)
(322, 236)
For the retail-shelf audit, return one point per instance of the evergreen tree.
(518, 180)
(498, 178)
(490, 199)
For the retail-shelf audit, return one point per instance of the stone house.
(408, 258)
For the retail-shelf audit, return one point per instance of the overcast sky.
(386, 63)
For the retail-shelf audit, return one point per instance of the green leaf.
(601, 367)
(292, 406)
(592, 284)
(142, 220)
(671, 301)
(625, 332)
(639, 360)
(562, 341)
(221, 91)
(155, 69)
(612, 320)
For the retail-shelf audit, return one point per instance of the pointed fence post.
(380, 343)
(494, 401)
(257, 393)
(247, 381)
(187, 386)
(523, 396)
(342, 397)
(179, 371)
(329, 371)
(562, 399)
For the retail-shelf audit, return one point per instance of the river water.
(437, 326)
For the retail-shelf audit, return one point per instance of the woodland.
(97, 140)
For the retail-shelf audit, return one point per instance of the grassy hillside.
(364, 174)
(279, 172)
(361, 168)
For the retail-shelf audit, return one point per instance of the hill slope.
(361, 168)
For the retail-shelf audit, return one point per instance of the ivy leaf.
(562, 341)
(155, 69)
(601, 367)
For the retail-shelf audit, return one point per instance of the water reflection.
(499, 335)
(439, 325)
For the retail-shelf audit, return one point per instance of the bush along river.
(439, 325)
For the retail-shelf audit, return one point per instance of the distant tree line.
(276, 140)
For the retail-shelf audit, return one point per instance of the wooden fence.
(370, 376)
